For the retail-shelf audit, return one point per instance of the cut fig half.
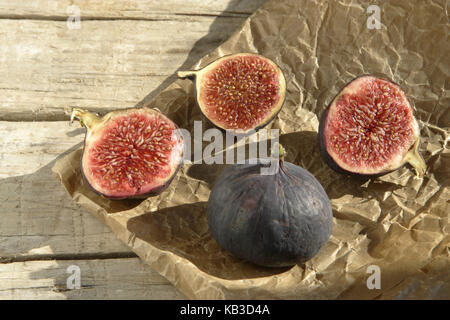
(131, 153)
(369, 129)
(240, 92)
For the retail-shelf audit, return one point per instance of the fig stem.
(86, 118)
(414, 158)
(281, 152)
(190, 74)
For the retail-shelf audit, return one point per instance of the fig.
(130, 153)
(369, 129)
(274, 220)
(240, 93)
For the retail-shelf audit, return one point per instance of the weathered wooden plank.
(102, 66)
(142, 9)
(37, 217)
(123, 51)
(99, 279)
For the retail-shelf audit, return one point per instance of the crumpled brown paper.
(398, 222)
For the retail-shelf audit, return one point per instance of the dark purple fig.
(369, 129)
(274, 220)
(130, 153)
(240, 92)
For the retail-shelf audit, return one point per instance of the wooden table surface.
(123, 52)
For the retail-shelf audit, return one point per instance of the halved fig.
(369, 129)
(240, 92)
(131, 153)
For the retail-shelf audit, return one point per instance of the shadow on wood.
(215, 37)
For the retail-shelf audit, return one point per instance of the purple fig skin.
(274, 220)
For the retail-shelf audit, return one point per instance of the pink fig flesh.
(130, 153)
(370, 128)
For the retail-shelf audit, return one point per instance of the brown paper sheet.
(397, 222)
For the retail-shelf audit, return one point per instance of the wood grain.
(37, 216)
(99, 279)
(124, 52)
(106, 64)
(126, 9)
